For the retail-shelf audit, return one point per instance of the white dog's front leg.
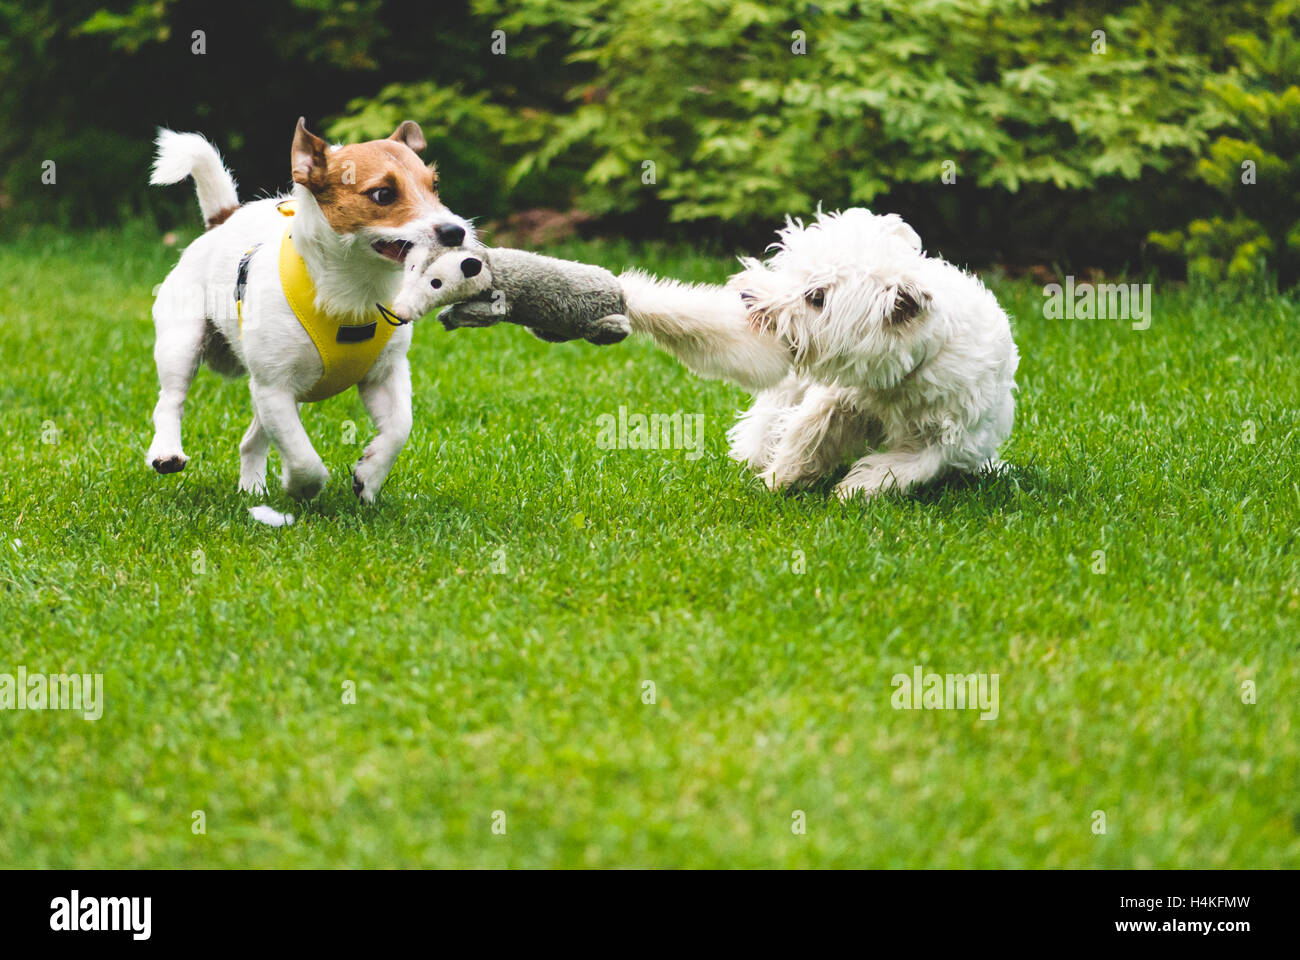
(389, 404)
(812, 439)
(752, 437)
(304, 473)
(900, 471)
(705, 327)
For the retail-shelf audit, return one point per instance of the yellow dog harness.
(347, 351)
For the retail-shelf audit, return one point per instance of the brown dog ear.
(909, 303)
(409, 133)
(307, 158)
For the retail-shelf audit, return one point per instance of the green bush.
(1021, 131)
(1253, 163)
(1070, 127)
(739, 123)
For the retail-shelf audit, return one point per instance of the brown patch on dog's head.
(380, 183)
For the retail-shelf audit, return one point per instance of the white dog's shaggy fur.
(859, 346)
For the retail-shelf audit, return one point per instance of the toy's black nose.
(449, 234)
(471, 266)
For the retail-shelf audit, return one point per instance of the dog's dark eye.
(817, 299)
(435, 283)
(382, 195)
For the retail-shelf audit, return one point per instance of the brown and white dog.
(357, 210)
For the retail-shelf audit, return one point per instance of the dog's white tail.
(706, 328)
(182, 155)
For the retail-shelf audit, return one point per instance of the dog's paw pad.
(172, 464)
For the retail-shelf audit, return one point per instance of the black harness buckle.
(356, 333)
(241, 277)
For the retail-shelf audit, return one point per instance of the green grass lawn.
(226, 645)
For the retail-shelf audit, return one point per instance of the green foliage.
(1253, 162)
(740, 124)
(475, 142)
(1218, 251)
(1070, 127)
(1073, 128)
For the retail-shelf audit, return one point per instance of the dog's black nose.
(471, 266)
(449, 234)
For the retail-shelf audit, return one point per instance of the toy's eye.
(817, 299)
(435, 283)
(382, 195)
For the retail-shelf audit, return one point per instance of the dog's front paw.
(752, 452)
(368, 478)
(775, 480)
(305, 483)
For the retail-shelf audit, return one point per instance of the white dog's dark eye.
(817, 299)
(382, 195)
(435, 283)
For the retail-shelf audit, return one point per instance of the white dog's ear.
(906, 302)
(896, 226)
(307, 158)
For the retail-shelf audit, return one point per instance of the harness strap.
(347, 350)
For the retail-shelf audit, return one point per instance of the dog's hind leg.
(252, 458)
(180, 327)
(893, 470)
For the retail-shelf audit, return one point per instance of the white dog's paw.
(864, 487)
(775, 480)
(368, 478)
(306, 483)
(253, 484)
(749, 447)
(166, 461)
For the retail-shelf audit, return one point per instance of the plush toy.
(557, 300)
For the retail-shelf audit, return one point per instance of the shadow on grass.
(1011, 487)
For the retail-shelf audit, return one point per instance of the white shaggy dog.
(859, 345)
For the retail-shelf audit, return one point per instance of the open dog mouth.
(395, 250)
